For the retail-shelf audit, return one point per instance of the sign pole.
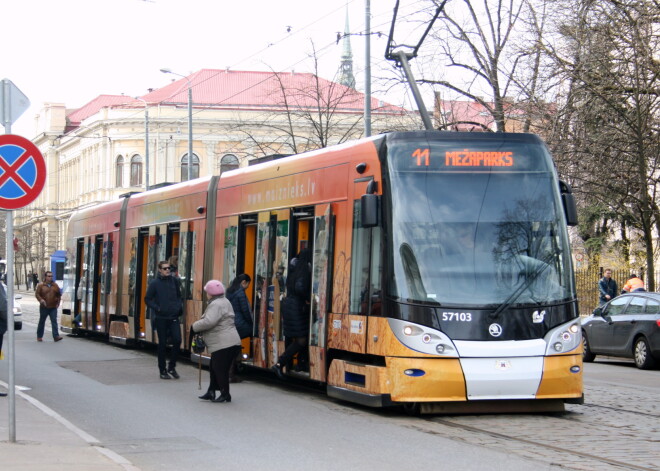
(10, 326)
(16, 191)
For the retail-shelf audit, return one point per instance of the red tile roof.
(230, 89)
(219, 88)
(102, 101)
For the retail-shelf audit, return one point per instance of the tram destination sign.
(22, 172)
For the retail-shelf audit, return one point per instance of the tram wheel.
(587, 354)
(411, 408)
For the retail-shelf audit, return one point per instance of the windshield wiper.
(521, 289)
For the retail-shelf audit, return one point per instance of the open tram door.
(311, 228)
(79, 287)
(86, 310)
(155, 243)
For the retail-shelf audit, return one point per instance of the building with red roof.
(99, 151)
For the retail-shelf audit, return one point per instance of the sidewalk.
(45, 441)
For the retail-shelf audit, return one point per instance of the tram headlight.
(564, 338)
(422, 338)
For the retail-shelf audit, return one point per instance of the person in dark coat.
(295, 310)
(607, 287)
(243, 315)
(166, 303)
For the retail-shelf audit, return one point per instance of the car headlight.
(563, 338)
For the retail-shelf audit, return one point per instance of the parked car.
(18, 310)
(627, 326)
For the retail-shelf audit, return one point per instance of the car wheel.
(18, 325)
(642, 354)
(587, 354)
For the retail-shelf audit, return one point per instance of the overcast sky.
(70, 51)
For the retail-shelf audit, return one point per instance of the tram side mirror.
(369, 210)
(568, 201)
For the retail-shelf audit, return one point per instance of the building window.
(119, 172)
(136, 170)
(228, 162)
(184, 167)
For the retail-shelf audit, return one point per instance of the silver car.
(18, 310)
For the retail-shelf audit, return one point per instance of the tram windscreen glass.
(472, 224)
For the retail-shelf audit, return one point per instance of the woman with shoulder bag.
(221, 338)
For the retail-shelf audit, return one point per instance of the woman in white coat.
(221, 338)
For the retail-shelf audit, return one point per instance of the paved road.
(615, 429)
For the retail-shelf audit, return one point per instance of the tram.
(441, 279)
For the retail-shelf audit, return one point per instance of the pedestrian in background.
(49, 296)
(243, 315)
(164, 298)
(221, 338)
(607, 287)
(634, 284)
(35, 280)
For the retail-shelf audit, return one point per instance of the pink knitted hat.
(214, 288)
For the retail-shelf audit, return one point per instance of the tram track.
(618, 409)
(532, 444)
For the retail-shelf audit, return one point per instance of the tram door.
(88, 287)
(301, 237)
(80, 282)
(141, 273)
(321, 294)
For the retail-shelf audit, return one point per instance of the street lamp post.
(146, 139)
(190, 133)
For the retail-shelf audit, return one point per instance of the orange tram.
(442, 276)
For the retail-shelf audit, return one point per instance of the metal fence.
(587, 286)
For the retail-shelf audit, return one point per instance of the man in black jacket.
(166, 303)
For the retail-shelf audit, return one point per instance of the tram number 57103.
(457, 316)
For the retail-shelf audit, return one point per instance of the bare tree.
(311, 113)
(474, 53)
(610, 129)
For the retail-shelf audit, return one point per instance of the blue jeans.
(45, 312)
(168, 328)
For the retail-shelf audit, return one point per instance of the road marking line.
(94, 442)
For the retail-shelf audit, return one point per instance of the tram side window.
(366, 265)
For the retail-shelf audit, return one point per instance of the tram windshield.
(476, 223)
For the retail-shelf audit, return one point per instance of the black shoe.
(222, 398)
(173, 372)
(277, 368)
(3, 394)
(164, 375)
(209, 396)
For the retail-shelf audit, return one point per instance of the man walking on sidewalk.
(49, 296)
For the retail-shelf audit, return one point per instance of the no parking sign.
(22, 172)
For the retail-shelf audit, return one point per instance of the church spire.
(346, 68)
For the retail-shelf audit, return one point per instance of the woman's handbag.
(198, 345)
